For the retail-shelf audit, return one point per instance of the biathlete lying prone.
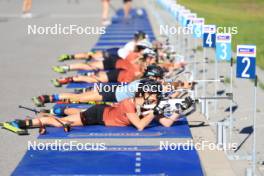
(116, 94)
(108, 53)
(115, 62)
(120, 70)
(129, 72)
(110, 63)
(128, 112)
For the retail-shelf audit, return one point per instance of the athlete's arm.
(140, 124)
(167, 122)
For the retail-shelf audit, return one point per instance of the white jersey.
(125, 50)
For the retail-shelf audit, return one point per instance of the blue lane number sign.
(209, 34)
(188, 19)
(246, 61)
(182, 14)
(197, 27)
(223, 47)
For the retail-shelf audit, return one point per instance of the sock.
(55, 97)
(65, 67)
(70, 79)
(59, 111)
(20, 123)
(71, 56)
(29, 123)
(66, 80)
(90, 54)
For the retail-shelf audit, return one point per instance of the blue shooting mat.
(89, 71)
(113, 160)
(89, 85)
(79, 106)
(133, 12)
(129, 29)
(180, 129)
(116, 35)
(114, 40)
(109, 43)
(124, 33)
(124, 38)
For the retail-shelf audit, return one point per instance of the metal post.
(177, 48)
(254, 127)
(194, 65)
(182, 43)
(216, 84)
(219, 133)
(224, 136)
(207, 109)
(204, 55)
(231, 102)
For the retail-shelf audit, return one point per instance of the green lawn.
(247, 15)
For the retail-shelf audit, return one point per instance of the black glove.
(187, 103)
(161, 110)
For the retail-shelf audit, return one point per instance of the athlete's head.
(140, 35)
(149, 90)
(154, 71)
(141, 45)
(149, 56)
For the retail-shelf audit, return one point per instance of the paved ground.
(26, 62)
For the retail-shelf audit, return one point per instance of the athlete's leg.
(71, 111)
(105, 12)
(27, 4)
(99, 77)
(127, 7)
(92, 95)
(79, 66)
(50, 120)
(92, 55)
(84, 66)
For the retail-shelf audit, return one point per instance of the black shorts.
(110, 63)
(112, 75)
(93, 115)
(108, 95)
(110, 53)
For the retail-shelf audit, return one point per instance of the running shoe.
(59, 69)
(64, 57)
(26, 15)
(38, 101)
(56, 82)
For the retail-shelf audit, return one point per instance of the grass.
(261, 85)
(227, 80)
(246, 15)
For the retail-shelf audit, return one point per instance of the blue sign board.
(246, 61)
(198, 27)
(223, 47)
(209, 35)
